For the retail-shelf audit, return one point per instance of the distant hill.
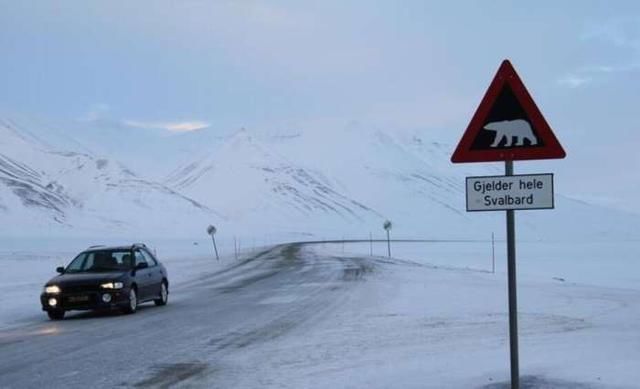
(339, 182)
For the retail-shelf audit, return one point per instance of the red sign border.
(551, 149)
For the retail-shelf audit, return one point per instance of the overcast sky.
(184, 65)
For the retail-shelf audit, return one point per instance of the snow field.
(433, 316)
(411, 325)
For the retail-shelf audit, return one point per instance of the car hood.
(85, 278)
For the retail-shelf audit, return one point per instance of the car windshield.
(101, 261)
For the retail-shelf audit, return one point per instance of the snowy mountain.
(321, 184)
(255, 184)
(346, 182)
(44, 190)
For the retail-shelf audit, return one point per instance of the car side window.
(139, 257)
(89, 261)
(150, 258)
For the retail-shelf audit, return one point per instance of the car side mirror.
(142, 265)
(60, 269)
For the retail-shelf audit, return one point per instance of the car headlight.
(112, 285)
(52, 289)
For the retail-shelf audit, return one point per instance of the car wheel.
(164, 295)
(56, 315)
(132, 307)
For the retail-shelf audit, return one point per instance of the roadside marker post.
(387, 227)
(508, 126)
(235, 247)
(211, 230)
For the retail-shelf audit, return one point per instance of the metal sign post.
(215, 248)
(387, 227)
(211, 230)
(235, 248)
(493, 254)
(513, 300)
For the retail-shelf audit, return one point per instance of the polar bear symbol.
(509, 129)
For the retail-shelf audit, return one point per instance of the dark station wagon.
(107, 278)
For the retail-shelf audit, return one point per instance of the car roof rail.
(97, 245)
(138, 244)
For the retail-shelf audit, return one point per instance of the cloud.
(602, 69)
(185, 126)
(574, 81)
(588, 74)
(102, 113)
(620, 32)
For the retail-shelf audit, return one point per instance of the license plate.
(78, 299)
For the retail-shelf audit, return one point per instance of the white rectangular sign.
(499, 193)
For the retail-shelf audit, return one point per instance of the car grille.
(80, 288)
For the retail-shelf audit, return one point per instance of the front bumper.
(82, 301)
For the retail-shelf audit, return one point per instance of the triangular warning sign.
(507, 126)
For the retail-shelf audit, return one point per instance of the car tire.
(56, 315)
(164, 295)
(132, 305)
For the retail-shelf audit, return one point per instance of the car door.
(156, 273)
(143, 276)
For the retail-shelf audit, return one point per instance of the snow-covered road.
(209, 317)
(305, 317)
